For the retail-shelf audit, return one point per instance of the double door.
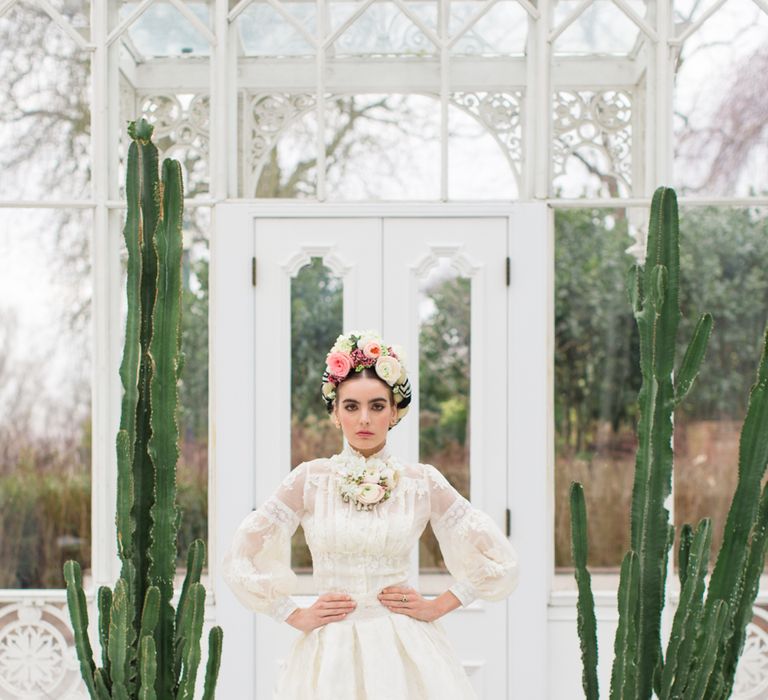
(439, 285)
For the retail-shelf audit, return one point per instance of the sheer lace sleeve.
(257, 565)
(476, 551)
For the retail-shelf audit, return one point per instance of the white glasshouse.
(470, 177)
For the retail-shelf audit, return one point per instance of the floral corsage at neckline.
(361, 349)
(366, 482)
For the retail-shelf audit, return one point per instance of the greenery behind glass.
(316, 322)
(723, 253)
(444, 411)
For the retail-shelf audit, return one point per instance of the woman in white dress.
(370, 635)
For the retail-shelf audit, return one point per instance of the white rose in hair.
(370, 494)
(388, 368)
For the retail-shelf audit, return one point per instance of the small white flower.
(342, 344)
(364, 483)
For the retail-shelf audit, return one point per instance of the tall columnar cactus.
(707, 636)
(149, 651)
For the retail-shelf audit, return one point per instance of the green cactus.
(149, 650)
(624, 671)
(586, 603)
(707, 637)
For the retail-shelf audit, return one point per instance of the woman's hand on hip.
(329, 607)
(408, 601)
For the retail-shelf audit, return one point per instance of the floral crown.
(355, 352)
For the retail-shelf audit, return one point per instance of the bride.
(369, 635)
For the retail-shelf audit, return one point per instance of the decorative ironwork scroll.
(596, 129)
(37, 653)
(182, 123)
(266, 116)
(752, 675)
(501, 115)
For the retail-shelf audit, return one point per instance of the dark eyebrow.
(380, 398)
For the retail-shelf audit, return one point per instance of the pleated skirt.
(386, 657)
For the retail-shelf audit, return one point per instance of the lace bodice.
(359, 552)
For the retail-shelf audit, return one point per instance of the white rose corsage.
(365, 483)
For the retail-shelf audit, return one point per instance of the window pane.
(263, 31)
(383, 147)
(487, 128)
(45, 85)
(45, 395)
(383, 29)
(316, 322)
(600, 29)
(502, 30)
(162, 31)
(444, 370)
(720, 137)
(192, 470)
(722, 259)
(597, 378)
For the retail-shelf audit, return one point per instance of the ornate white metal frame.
(541, 108)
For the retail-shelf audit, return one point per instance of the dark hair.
(369, 372)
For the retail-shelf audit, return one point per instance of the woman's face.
(365, 411)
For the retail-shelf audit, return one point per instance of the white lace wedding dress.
(373, 654)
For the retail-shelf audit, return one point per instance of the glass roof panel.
(500, 31)
(383, 29)
(265, 32)
(341, 10)
(162, 31)
(77, 13)
(601, 29)
(687, 11)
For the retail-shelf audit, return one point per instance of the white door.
(437, 278)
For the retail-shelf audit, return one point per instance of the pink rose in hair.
(372, 349)
(339, 364)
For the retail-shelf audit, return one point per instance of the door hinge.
(508, 522)
(253, 271)
(509, 269)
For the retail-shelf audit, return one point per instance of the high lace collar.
(350, 451)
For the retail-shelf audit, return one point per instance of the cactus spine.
(707, 636)
(149, 650)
